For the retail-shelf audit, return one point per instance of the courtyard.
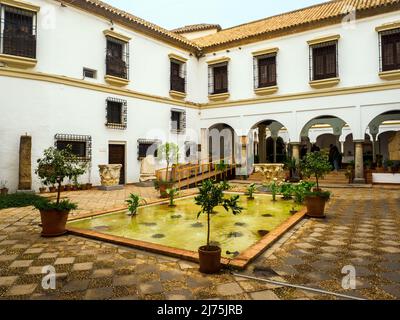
(362, 229)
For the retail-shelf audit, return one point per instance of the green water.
(179, 227)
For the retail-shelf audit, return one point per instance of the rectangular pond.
(178, 227)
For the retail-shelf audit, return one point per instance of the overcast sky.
(172, 14)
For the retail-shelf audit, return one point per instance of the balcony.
(116, 71)
(19, 50)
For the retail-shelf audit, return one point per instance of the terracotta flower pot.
(4, 191)
(164, 187)
(210, 259)
(53, 222)
(89, 186)
(52, 189)
(42, 190)
(67, 187)
(315, 206)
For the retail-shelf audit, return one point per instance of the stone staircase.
(334, 178)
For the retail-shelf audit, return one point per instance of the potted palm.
(134, 202)
(170, 153)
(172, 193)
(250, 191)
(210, 196)
(53, 168)
(316, 164)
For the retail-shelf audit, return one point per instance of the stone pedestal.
(25, 165)
(270, 171)
(359, 162)
(296, 151)
(109, 175)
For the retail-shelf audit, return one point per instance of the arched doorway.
(221, 143)
(270, 142)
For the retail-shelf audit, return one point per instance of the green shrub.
(18, 200)
(286, 189)
(134, 202)
(62, 206)
(301, 189)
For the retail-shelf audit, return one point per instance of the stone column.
(342, 147)
(204, 146)
(242, 169)
(374, 148)
(274, 140)
(359, 162)
(262, 143)
(25, 165)
(296, 151)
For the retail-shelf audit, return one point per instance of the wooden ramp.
(190, 175)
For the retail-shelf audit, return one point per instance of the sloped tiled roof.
(310, 16)
(197, 27)
(129, 20)
(326, 13)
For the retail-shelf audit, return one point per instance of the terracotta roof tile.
(197, 27)
(309, 15)
(129, 19)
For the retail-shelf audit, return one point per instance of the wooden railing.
(188, 174)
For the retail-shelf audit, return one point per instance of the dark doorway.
(116, 155)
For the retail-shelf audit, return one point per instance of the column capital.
(359, 141)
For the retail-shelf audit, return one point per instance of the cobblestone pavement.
(362, 229)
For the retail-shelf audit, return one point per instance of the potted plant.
(53, 168)
(389, 165)
(210, 196)
(301, 189)
(42, 188)
(273, 187)
(250, 191)
(225, 185)
(170, 153)
(68, 186)
(172, 193)
(3, 187)
(317, 165)
(134, 202)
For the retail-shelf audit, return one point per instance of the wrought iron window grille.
(177, 76)
(17, 32)
(112, 114)
(326, 73)
(386, 37)
(76, 142)
(256, 71)
(117, 58)
(147, 147)
(222, 87)
(178, 121)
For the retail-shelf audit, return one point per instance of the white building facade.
(111, 84)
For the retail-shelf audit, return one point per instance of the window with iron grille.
(17, 32)
(390, 50)
(147, 147)
(218, 78)
(81, 145)
(265, 71)
(178, 121)
(178, 76)
(117, 57)
(324, 61)
(116, 113)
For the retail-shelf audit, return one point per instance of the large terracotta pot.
(164, 187)
(315, 206)
(53, 222)
(210, 259)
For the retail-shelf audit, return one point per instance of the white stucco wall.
(42, 110)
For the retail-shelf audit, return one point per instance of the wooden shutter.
(391, 51)
(267, 71)
(221, 79)
(324, 62)
(114, 112)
